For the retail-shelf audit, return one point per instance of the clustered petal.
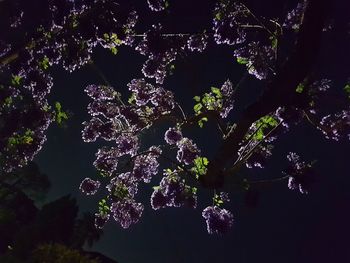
(187, 152)
(173, 136)
(173, 192)
(300, 174)
(126, 212)
(218, 220)
(89, 186)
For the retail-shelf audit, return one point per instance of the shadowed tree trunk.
(280, 91)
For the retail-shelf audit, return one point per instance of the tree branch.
(279, 91)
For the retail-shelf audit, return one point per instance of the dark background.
(284, 226)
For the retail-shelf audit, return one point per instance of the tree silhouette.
(30, 233)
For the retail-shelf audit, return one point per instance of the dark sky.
(285, 226)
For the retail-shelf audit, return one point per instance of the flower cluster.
(229, 16)
(126, 212)
(89, 186)
(294, 17)
(157, 5)
(300, 174)
(336, 126)
(188, 151)
(228, 101)
(161, 52)
(258, 58)
(146, 165)
(173, 136)
(219, 220)
(197, 42)
(257, 147)
(173, 192)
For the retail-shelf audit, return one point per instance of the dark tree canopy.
(279, 49)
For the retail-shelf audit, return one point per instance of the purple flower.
(227, 92)
(89, 186)
(187, 152)
(145, 166)
(158, 199)
(163, 100)
(156, 5)
(131, 116)
(161, 51)
(197, 42)
(101, 220)
(336, 126)
(122, 186)
(218, 220)
(99, 92)
(107, 159)
(91, 129)
(300, 174)
(108, 109)
(172, 136)
(127, 144)
(143, 91)
(294, 17)
(228, 18)
(173, 192)
(126, 212)
(259, 59)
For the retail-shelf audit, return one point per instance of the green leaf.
(197, 98)
(200, 166)
(60, 115)
(209, 101)
(114, 50)
(16, 80)
(242, 60)
(44, 64)
(194, 190)
(300, 88)
(274, 42)
(205, 161)
(197, 108)
(8, 101)
(132, 98)
(58, 106)
(201, 121)
(103, 208)
(217, 92)
(26, 138)
(217, 200)
(266, 122)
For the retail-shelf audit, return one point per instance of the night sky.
(284, 226)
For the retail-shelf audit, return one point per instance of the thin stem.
(256, 19)
(178, 164)
(182, 111)
(269, 180)
(166, 35)
(245, 157)
(311, 121)
(240, 160)
(249, 140)
(251, 26)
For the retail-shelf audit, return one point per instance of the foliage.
(57, 253)
(24, 226)
(68, 34)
